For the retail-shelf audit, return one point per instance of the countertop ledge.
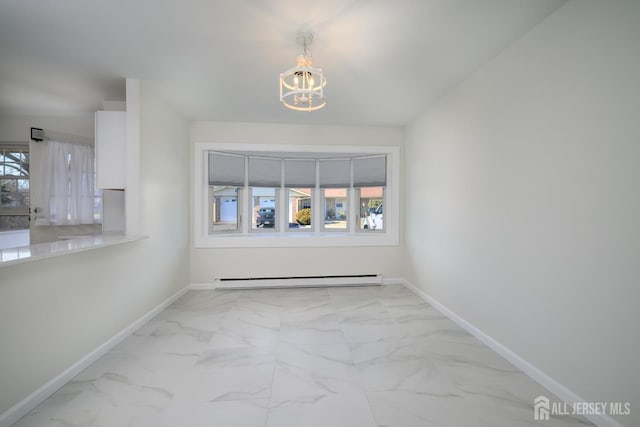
(24, 254)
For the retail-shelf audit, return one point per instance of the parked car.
(374, 220)
(266, 217)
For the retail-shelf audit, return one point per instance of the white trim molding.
(546, 381)
(565, 394)
(208, 286)
(22, 408)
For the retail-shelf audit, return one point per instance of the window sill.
(24, 254)
(296, 240)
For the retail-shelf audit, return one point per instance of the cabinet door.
(111, 141)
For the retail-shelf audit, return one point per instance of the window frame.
(24, 174)
(277, 220)
(287, 207)
(359, 200)
(209, 213)
(323, 199)
(283, 237)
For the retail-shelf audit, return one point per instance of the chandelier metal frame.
(302, 87)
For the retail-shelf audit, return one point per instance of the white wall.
(55, 311)
(18, 128)
(207, 264)
(523, 204)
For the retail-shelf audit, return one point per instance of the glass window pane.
(12, 169)
(335, 208)
(22, 192)
(223, 209)
(8, 193)
(371, 208)
(14, 222)
(14, 189)
(23, 184)
(299, 208)
(22, 156)
(263, 205)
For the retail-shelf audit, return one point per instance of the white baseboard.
(393, 281)
(202, 287)
(211, 286)
(559, 390)
(20, 409)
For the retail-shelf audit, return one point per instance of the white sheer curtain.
(67, 184)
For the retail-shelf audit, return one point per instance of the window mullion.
(282, 216)
(317, 207)
(351, 210)
(282, 203)
(351, 202)
(245, 219)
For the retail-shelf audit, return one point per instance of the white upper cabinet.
(111, 149)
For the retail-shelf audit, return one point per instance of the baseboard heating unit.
(297, 281)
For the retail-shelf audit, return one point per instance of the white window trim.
(282, 238)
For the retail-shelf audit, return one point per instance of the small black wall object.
(37, 134)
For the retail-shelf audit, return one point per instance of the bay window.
(295, 196)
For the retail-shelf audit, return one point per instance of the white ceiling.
(385, 60)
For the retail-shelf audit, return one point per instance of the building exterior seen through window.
(223, 209)
(263, 207)
(336, 208)
(299, 209)
(371, 208)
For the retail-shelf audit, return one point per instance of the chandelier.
(302, 87)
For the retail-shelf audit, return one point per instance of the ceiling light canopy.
(302, 87)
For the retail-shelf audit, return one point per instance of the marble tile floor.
(326, 357)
